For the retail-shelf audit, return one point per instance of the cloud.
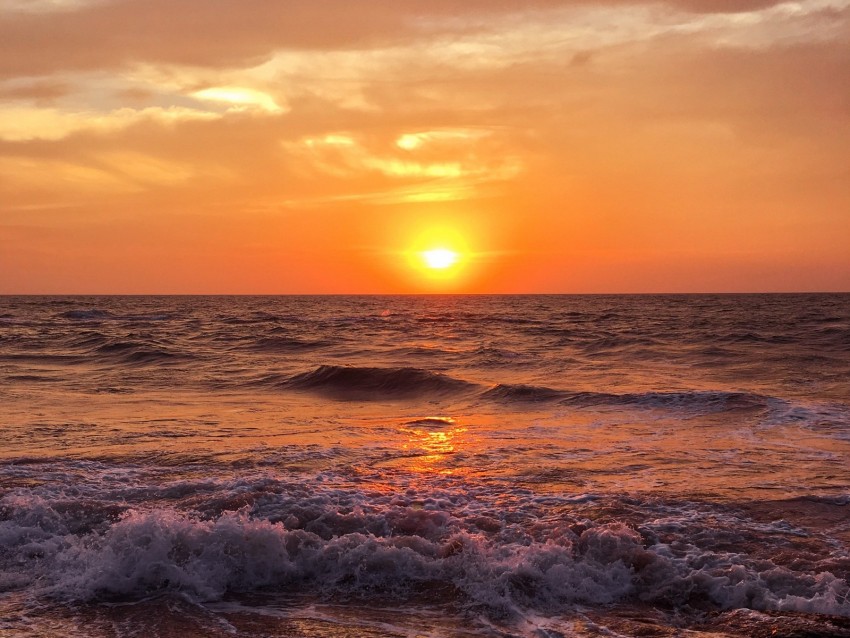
(44, 6)
(98, 35)
(434, 165)
(34, 90)
(239, 98)
(18, 123)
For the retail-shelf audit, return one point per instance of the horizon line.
(420, 294)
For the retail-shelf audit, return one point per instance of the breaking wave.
(403, 547)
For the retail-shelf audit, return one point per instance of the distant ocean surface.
(440, 466)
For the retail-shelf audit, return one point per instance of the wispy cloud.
(25, 123)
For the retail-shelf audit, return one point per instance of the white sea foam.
(396, 549)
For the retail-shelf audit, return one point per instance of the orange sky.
(305, 146)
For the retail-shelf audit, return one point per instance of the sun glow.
(439, 258)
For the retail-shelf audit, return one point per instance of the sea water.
(425, 466)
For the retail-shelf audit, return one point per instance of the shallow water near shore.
(425, 466)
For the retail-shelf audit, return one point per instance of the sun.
(439, 258)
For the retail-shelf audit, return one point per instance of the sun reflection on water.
(431, 448)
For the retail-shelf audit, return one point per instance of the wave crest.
(377, 383)
(522, 393)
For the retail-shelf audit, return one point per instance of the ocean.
(425, 466)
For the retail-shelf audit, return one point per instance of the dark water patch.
(612, 343)
(464, 317)
(86, 315)
(234, 321)
(488, 356)
(121, 347)
(269, 320)
(518, 320)
(272, 381)
(88, 340)
(562, 336)
(824, 417)
(46, 463)
(836, 338)
(143, 356)
(814, 514)
(715, 352)
(442, 318)
(697, 401)
(365, 383)
(280, 344)
(752, 337)
(632, 620)
(137, 353)
(423, 352)
(44, 359)
(31, 378)
(147, 317)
